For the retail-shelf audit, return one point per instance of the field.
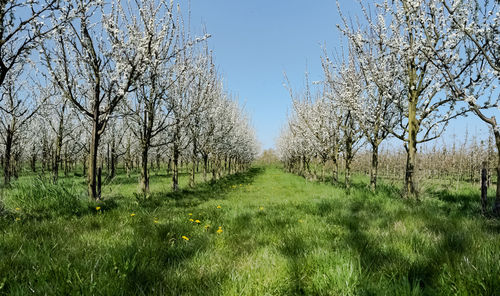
(263, 232)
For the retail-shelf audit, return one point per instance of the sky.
(256, 42)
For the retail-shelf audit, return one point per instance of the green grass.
(281, 235)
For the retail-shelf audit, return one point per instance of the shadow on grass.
(420, 258)
(467, 202)
(117, 253)
(161, 258)
(202, 191)
(403, 246)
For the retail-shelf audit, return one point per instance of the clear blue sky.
(256, 41)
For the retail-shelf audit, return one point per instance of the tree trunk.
(335, 173)
(348, 159)
(144, 170)
(496, 207)
(214, 165)
(374, 167)
(484, 188)
(99, 183)
(33, 163)
(113, 159)
(33, 158)
(66, 162)
(205, 167)
(411, 159)
(193, 173)
(57, 158)
(193, 170)
(92, 169)
(7, 169)
(84, 165)
(128, 158)
(169, 165)
(175, 173)
(108, 160)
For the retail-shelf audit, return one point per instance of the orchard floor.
(263, 232)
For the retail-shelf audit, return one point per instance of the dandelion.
(18, 209)
(18, 219)
(132, 215)
(218, 207)
(261, 208)
(197, 221)
(191, 220)
(190, 214)
(156, 221)
(97, 208)
(185, 238)
(219, 231)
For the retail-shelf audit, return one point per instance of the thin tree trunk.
(335, 173)
(413, 127)
(92, 169)
(108, 160)
(374, 167)
(205, 167)
(33, 163)
(484, 188)
(57, 158)
(496, 207)
(348, 159)
(144, 170)
(7, 169)
(99, 182)
(214, 165)
(113, 159)
(84, 163)
(175, 174)
(128, 158)
(169, 165)
(193, 170)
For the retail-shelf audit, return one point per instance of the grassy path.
(259, 233)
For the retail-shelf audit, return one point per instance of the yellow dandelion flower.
(197, 221)
(191, 220)
(132, 215)
(219, 231)
(218, 207)
(156, 221)
(18, 219)
(18, 209)
(261, 208)
(185, 238)
(190, 214)
(97, 208)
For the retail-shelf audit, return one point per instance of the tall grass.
(279, 235)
